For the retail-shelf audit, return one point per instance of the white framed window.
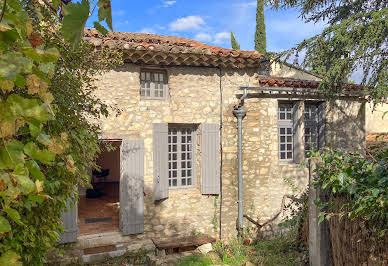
(285, 131)
(181, 156)
(153, 84)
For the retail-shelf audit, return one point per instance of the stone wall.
(375, 123)
(194, 97)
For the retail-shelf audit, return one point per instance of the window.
(153, 84)
(291, 134)
(285, 130)
(313, 127)
(180, 156)
(310, 127)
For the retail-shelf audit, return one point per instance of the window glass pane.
(154, 82)
(180, 156)
(189, 181)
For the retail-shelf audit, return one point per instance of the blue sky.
(211, 21)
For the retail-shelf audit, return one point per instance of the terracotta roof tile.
(271, 81)
(152, 43)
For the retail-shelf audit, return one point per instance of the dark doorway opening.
(98, 208)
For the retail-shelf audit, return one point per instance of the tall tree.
(260, 34)
(233, 41)
(355, 39)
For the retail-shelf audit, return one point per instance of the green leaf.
(44, 156)
(4, 226)
(28, 108)
(12, 63)
(35, 171)
(14, 215)
(74, 20)
(10, 258)
(56, 3)
(20, 81)
(44, 139)
(100, 28)
(25, 184)
(11, 155)
(34, 129)
(321, 217)
(105, 12)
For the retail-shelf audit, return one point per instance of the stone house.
(174, 170)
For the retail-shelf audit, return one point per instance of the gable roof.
(168, 50)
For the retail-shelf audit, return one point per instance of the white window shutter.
(160, 158)
(210, 159)
(132, 187)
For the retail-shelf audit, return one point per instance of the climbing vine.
(48, 140)
(361, 180)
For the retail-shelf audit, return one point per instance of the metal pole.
(240, 113)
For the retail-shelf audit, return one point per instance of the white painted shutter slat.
(132, 187)
(160, 159)
(210, 159)
(69, 220)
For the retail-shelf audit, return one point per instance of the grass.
(195, 260)
(276, 251)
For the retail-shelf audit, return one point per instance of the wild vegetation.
(48, 138)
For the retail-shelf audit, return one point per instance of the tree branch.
(3, 10)
(274, 217)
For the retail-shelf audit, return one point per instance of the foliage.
(195, 260)
(260, 34)
(48, 140)
(233, 41)
(362, 180)
(355, 39)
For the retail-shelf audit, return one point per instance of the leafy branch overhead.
(46, 79)
(355, 40)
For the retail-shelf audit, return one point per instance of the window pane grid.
(285, 131)
(180, 141)
(152, 84)
(285, 111)
(286, 143)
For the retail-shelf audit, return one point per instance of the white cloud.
(203, 37)
(168, 3)
(221, 37)
(148, 30)
(187, 23)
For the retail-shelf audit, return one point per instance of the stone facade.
(195, 97)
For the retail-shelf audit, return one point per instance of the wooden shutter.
(321, 125)
(132, 187)
(210, 159)
(160, 151)
(69, 220)
(297, 114)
